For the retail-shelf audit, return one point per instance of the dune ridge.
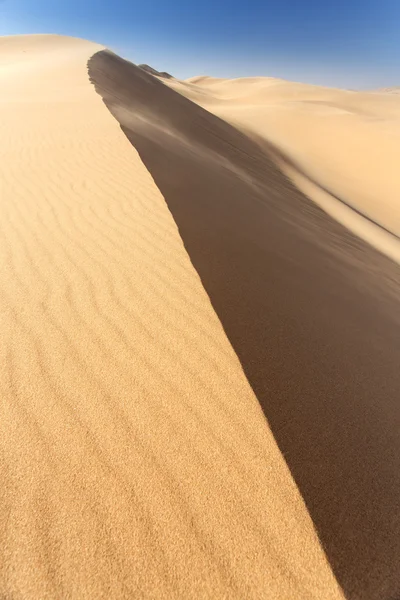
(135, 459)
(310, 309)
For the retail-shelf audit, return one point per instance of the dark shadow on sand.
(311, 311)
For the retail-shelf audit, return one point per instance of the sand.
(340, 147)
(199, 373)
(136, 461)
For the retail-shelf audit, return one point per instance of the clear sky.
(349, 43)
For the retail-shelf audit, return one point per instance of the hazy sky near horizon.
(348, 43)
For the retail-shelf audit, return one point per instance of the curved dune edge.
(371, 232)
(310, 309)
(355, 221)
(340, 147)
(135, 460)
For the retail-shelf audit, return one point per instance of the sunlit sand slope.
(135, 459)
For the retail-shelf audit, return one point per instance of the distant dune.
(152, 71)
(389, 90)
(340, 147)
(200, 375)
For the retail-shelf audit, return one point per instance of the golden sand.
(142, 303)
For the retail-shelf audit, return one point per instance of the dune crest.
(307, 306)
(135, 459)
(199, 366)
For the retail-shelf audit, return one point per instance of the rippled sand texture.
(135, 459)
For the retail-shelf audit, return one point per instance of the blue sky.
(349, 43)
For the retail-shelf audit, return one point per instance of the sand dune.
(342, 145)
(152, 71)
(135, 458)
(389, 90)
(199, 367)
(308, 308)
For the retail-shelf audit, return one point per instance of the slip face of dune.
(135, 459)
(310, 309)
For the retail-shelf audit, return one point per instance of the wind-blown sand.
(202, 412)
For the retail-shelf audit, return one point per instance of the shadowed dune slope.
(311, 311)
(135, 460)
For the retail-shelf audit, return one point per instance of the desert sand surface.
(200, 374)
(136, 461)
